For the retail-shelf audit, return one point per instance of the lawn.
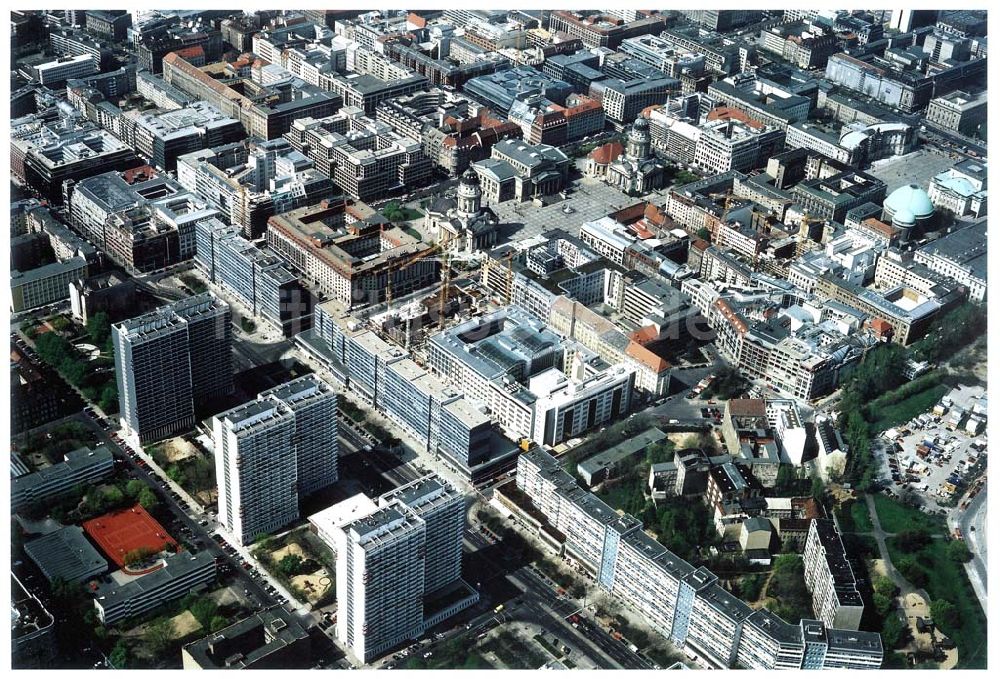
(895, 517)
(948, 581)
(455, 654)
(193, 282)
(854, 517)
(862, 519)
(514, 653)
(908, 408)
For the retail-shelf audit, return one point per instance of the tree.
(147, 498)
(785, 483)
(894, 631)
(883, 585)
(958, 552)
(290, 565)
(944, 614)
(119, 656)
(883, 604)
(159, 635)
(751, 586)
(204, 609)
(99, 328)
(217, 623)
(704, 233)
(818, 489)
(134, 487)
(913, 540)
(138, 555)
(109, 398)
(910, 570)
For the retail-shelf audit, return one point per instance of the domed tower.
(470, 195)
(638, 140)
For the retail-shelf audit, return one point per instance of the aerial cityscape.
(498, 339)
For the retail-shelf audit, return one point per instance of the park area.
(89, 371)
(188, 467)
(922, 551)
(302, 563)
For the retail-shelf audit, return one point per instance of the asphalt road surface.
(973, 525)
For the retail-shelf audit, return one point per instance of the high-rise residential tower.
(443, 510)
(380, 579)
(314, 404)
(168, 360)
(255, 468)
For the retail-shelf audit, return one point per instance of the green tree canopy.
(290, 565)
(944, 614)
(159, 636)
(147, 498)
(958, 551)
(119, 656)
(134, 487)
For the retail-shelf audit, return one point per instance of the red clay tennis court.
(119, 532)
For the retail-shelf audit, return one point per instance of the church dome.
(904, 217)
(470, 177)
(909, 199)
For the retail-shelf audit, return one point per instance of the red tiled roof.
(608, 153)
(416, 20)
(193, 51)
(655, 215)
(646, 357)
(747, 407)
(644, 335)
(881, 326)
(730, 113)
(141, 173)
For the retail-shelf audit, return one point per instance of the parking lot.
(950, 455)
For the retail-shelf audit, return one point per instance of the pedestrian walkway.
(880, 535)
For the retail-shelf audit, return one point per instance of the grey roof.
(854, 641)
(422, 495)
(844, 583)
(623, 450)
(49, 270)
(110, 593)
(722, 601)
(66, 554)
(249, 641)
(756, 523)
(965, 247)
(775, 627)
(500, 170)
(71, 465)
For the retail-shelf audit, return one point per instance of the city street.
(201, 535)
(972, 522)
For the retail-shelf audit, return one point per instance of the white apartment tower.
(442, 509)
(314, 404)
(380, 579)
(255, 468)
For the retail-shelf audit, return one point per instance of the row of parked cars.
(250, 569)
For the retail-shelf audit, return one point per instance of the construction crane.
(392, 269)
(445, 283)
(510, 277)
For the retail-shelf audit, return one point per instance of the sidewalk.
(301, 609)
(193, 505)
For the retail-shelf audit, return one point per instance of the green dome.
(909, 199)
